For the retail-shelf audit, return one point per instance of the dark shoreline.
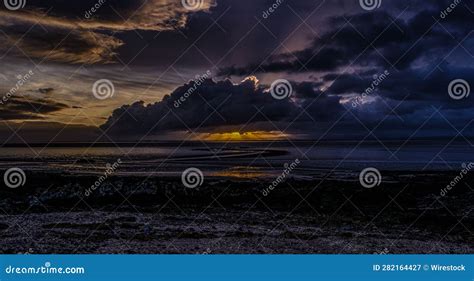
(128, 214)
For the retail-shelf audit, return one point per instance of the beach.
(406, 213)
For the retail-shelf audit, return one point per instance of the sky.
(242, 70)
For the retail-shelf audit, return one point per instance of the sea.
(305, 159)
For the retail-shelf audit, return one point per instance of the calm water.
(243, 159)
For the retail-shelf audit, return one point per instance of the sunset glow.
(246, 136)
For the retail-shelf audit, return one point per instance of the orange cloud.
(86, 39)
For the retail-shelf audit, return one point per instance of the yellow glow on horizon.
(245, 136)
(240, 172)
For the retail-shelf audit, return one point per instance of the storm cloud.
(214, 104)
(332, 53)
(376, 39)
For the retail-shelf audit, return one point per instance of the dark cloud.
(220, 104)
(228, 34)
(424, 84)
(330, 58)
(422, 51)
(58, 44)
(375, 39)
(351, 52)
(19, 108)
